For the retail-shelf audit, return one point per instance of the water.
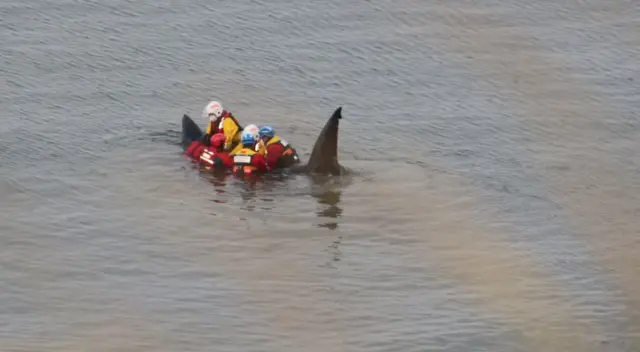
(494, 207)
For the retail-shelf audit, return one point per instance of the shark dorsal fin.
(324, 156)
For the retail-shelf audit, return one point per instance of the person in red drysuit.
(247, 161)
(214, 155)
(194, 150)
(279, 153)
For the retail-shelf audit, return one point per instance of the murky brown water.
(495, 205)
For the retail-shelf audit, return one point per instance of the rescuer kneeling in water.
(221, 120)
(214, 156)
(279, 153)
(247, 161)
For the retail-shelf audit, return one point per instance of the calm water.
(495, 204)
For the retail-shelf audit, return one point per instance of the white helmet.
(213, 110)
(253, 129)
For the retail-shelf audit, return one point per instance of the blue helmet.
(247, 138)
(267, 131)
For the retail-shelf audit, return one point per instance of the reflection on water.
(334, 250)
(219, 182)
(328, 201)
(248, 194)
(327, 192)
(499, 211)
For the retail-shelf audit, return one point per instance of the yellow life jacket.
(243, 160)
(260, 148)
